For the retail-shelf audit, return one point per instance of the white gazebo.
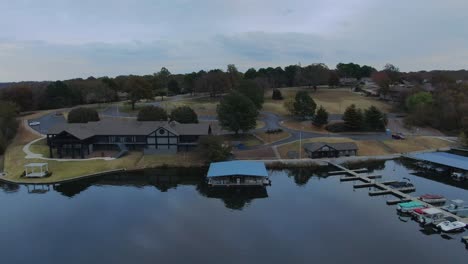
(36, 170)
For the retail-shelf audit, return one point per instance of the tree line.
(8, 124)
(29, 96)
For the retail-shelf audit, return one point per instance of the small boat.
(432, 199)
(428, 216)
(457, 207)
(458, 176)
(451, 226)
(409, 206)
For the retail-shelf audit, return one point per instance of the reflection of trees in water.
(161, 179)
(233, 197)
(302, 175)
(370, 165)
(9, 187)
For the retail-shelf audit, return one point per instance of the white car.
(35, 123)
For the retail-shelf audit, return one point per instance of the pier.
(383, 188)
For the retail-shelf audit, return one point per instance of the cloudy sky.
(60, 39)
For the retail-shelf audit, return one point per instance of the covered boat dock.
(443, 158)
(238, 173)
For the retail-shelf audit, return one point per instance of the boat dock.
(383, 188)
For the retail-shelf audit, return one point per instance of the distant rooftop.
(238, 167)
(443, 158)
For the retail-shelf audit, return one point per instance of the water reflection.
(302, 176)
(234, 198)
(9, 187)
(171, 215)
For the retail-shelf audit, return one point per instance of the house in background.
(348, 81)
(120, 135)
(318, 150)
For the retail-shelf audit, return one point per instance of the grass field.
(304, 126)
(61, 170)
(373, 147)
(246, 139)
(272, 137)
(334, 101)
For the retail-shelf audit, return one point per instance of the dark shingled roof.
(128, 126)
(338, 146)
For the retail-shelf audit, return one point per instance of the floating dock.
(401, 196)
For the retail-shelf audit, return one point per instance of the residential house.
(80, 140)
(317, 150)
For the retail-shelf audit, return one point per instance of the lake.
(170, 216)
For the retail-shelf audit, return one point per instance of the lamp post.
(300, 142)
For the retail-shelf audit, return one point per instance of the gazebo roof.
(36, 164)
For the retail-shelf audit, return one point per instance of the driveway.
(47, 121)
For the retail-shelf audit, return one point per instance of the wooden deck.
(384, 189)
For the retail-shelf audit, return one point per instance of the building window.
(161, 131)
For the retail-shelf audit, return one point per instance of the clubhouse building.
(120, 135)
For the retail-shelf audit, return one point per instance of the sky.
(64, 39)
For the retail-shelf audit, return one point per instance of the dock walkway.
(368, 181)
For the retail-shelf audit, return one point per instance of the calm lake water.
(172, 217)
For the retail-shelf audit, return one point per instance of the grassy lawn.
(294, 146)
(182, 159)
(61, 170)
(335, 101)
(255, 154)
(40, 147)
(374, 147)
(246, 139)
(127, 108)
(416, 144)
(272, 137)
(260, 124)
(304, 126)
(202, 106)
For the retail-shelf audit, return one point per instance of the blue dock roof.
(238, 167)
(443, 158)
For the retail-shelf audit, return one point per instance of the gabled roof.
(238, 167)
(127, 126)
(314, 146)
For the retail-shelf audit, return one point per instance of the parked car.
(34, 123)
(58, 113)
(398, 136)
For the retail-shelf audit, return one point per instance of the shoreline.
(270, 164)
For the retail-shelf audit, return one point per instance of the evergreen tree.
(173, 86)
(353, 119)
(463, 139)
(374, 118)
(253, 91)
(237, 112)
(213, 148)
(304, 105)
(83, 115)
(277, 95)
(152, 113)
(321, 117)
(184, 114)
